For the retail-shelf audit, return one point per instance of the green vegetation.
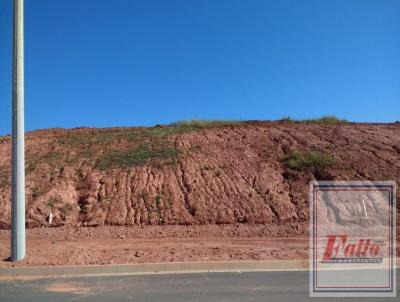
(314, 161)
(144, 153)
(191, 125)
(53, 202)
(158, 200)
(30, 165)
(4, 139)
(140, 145)
(85, 208)
(52, 156)
(4, 178)
(89, 137)
(325, 120)
(36, 192)
(136, 135)
(287, 119)
(4, 183)
(158, 209)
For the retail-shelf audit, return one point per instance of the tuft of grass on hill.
(144, 153)
(189, 125)
(4, 178)
(53, 202)
(325, 120)
(314, 161)
(288, 119)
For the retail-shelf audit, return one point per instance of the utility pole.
(18, 144)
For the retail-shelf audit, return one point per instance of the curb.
(37, 272)
(151, 268)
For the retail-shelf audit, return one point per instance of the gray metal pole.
(18, 145)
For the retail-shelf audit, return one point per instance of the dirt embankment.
(229, 174)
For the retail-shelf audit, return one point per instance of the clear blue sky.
(129, 62)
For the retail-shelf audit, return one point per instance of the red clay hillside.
(194, 173)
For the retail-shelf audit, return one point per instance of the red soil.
(230, 175)
(222, 175)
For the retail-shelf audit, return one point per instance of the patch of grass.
(140, 145)
(315, 161)
(53, 202)
(4, 139)
(203, 124)
(53, 159)
(4, 178)
(4, 183)
(140, 155)
(96, 137)
(325, 120)
(161, 131)
(158, 209)
(85, 209)
(89, 137)
(158, 200)
(173, 163)
(287, 119)
(30, 166)
(36, 192)
(52, 156)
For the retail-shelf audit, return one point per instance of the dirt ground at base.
(121, 245)
(152, 244)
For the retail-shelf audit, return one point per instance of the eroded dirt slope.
(169, 175)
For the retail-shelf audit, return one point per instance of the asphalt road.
(249, 286)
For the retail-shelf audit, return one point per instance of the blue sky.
(127, 62)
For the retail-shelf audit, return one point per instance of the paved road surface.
(230, 287)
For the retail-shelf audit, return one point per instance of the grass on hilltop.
(325, 120)
(105, 136)
(203, 124)
(142, 144)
